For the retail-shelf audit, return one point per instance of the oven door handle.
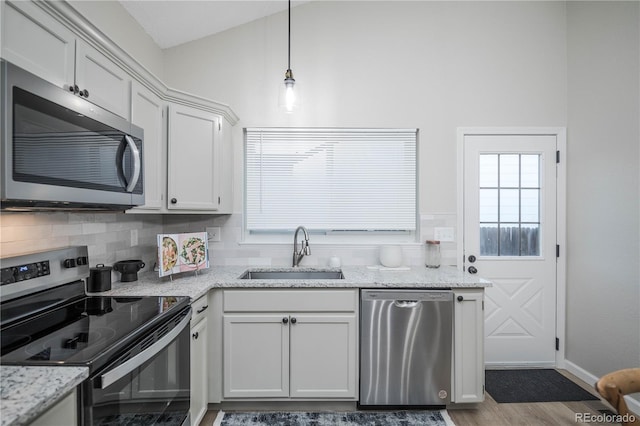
(130, 365)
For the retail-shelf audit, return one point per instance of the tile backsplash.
(118, 236)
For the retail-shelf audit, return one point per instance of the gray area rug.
(355, 418)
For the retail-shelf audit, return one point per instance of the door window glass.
(509, 204)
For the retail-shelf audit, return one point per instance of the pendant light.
(289, 97)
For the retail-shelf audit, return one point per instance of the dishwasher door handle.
(405, 303)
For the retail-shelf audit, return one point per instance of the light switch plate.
(213, 233)
(444, 234)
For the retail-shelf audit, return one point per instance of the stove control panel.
(25, 272)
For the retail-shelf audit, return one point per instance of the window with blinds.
(330, 180)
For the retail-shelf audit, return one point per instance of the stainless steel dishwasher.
(405, 347)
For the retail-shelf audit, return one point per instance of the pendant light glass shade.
(289, 97)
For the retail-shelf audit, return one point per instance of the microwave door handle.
(136, 163)
(130, 365)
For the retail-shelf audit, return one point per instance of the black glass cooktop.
(87, 331)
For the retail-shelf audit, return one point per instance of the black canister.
(99, 279)
(128, 269)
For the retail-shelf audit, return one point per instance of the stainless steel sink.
(292, 275)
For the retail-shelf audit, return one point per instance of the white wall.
(603, 294)
(115, 22)
(431, 65)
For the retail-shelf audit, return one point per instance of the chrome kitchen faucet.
(304, 250)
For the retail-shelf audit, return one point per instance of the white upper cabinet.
(188, 153)
(101, 81)
(147, 112)
(35, 41)
(193, 159)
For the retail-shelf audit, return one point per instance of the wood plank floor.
(490, 413)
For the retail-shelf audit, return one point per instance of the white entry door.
(509, 237)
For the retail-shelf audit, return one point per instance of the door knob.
(472, 258)
(460, 298)
(174, 201)
(195, 335)
(285, 320)
(472, 270)
(293, 320)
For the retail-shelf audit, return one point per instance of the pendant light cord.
(289, 57)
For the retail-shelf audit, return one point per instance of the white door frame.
(561, 212)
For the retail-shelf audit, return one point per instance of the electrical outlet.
(134, 237)
(444, 234)
(213, 233)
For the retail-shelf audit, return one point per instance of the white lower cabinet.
(64, 412)
(256, 356)
(322, 356)
(290, 344)
(468, 346)
(199, 360)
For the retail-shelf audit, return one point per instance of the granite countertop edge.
(195, 285)
(27, 392)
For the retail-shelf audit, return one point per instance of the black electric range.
(136, 348)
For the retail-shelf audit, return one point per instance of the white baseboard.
(582, 374)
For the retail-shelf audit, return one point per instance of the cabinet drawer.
(199, 308)
(305, 300)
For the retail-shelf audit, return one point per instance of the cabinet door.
(108, 85)
(199, 371)
(147, 112)
(468, 367)
(35, 41)
(226, 168)
(323, 356)
(256, 356)
(193, 159)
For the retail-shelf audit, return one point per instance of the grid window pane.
(489, 239)
(530, 240)
(530, 205)
(488, 205)
(509, 171)
(488, 170)
(509, 205)
(509, 239)
(530, 171)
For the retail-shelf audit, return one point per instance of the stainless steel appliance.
(405, 347)
(137, 349)
(60, 151)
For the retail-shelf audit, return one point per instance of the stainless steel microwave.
(60, 151)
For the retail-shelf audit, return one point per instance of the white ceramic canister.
(391, 256)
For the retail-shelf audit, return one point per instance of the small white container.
(391, 256)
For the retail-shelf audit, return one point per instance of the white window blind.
(330, 179)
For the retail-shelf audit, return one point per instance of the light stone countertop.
(27, 392)
(195, 286)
